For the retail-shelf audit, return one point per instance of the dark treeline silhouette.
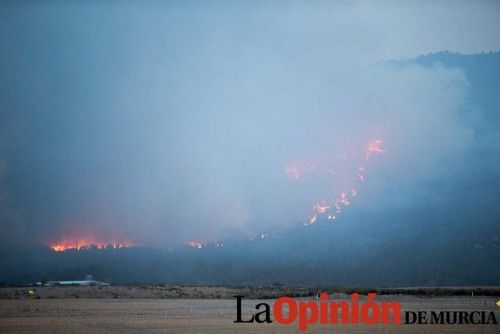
(411, 253)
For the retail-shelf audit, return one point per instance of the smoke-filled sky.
(162, 123)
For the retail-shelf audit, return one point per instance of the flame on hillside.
(351, 179)
(346, 178)
(82, 243)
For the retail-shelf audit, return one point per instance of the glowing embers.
(343, 173)
(374, 147)
(346, 179)
(320, 207)
(83, 243)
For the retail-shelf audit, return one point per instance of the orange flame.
(324, 210)
(82, 243)
(374, 147)
(320, 207)
(331, 211)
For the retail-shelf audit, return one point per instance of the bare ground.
(170, 291)
(65, 313)
(153, 291)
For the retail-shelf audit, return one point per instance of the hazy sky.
(161, 123)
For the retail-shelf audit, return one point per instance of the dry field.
(153, 291)
(59, 311)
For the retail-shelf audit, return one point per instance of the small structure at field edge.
(87, 281)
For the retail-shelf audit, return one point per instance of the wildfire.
(351, 169)
(320, 207)
(374, 147)
(89, 243)
(349, 190)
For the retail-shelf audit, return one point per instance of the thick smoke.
(162, 125)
